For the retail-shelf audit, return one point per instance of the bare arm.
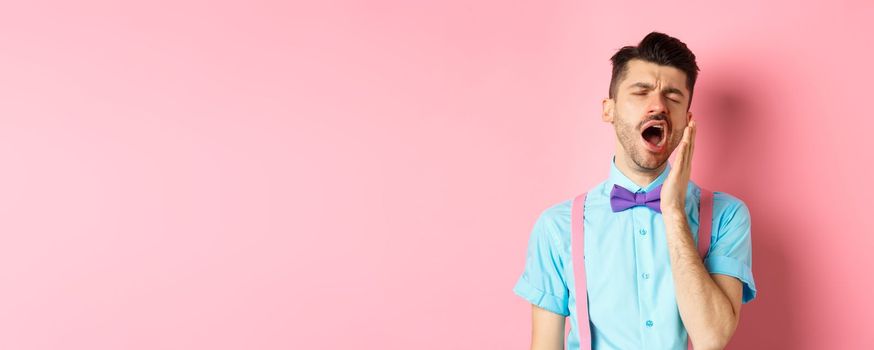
(547, 329)
(709, 304)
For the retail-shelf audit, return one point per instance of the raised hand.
(673, 193)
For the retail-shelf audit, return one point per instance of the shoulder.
(724, 203)
(554, 222)
(729, 205)
(730, 212)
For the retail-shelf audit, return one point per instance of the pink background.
(351, 174)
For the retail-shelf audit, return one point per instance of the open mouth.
(655, 134)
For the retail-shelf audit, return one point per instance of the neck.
(640, 176)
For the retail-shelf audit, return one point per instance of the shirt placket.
(644, 260)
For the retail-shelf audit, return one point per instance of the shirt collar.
(618, 178)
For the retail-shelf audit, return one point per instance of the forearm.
(704, 308)
(547, 330)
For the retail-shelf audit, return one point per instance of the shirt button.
(642, 232)
(645, 276)
(649, 323)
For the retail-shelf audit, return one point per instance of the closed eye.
(675, 99)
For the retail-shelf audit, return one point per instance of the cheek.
(629, 106)
(677, 126)
(628, 114)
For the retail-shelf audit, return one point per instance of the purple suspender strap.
(578, 246)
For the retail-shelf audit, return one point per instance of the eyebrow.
(667, 90)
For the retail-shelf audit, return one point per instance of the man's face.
(649, 112)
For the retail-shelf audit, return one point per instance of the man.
(648, 288)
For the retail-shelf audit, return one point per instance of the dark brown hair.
(658, 48)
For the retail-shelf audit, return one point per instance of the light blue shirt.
(632, 304)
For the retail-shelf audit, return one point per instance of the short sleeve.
(731, 247)
(542, 283)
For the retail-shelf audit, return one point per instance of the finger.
(684, 149)
(686, 152)
(687, 132)
(689, 159)
(688, 135)
(694, 136)
(692, 140)
(681, 156)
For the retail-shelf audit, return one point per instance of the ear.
(607, 106)
(688, 117)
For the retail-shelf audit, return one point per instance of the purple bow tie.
(621, 199)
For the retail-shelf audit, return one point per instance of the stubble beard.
(629, 138)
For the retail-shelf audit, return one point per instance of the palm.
(673, 194)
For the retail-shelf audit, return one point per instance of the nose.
(657, 105)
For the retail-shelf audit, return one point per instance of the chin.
(650, 161)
